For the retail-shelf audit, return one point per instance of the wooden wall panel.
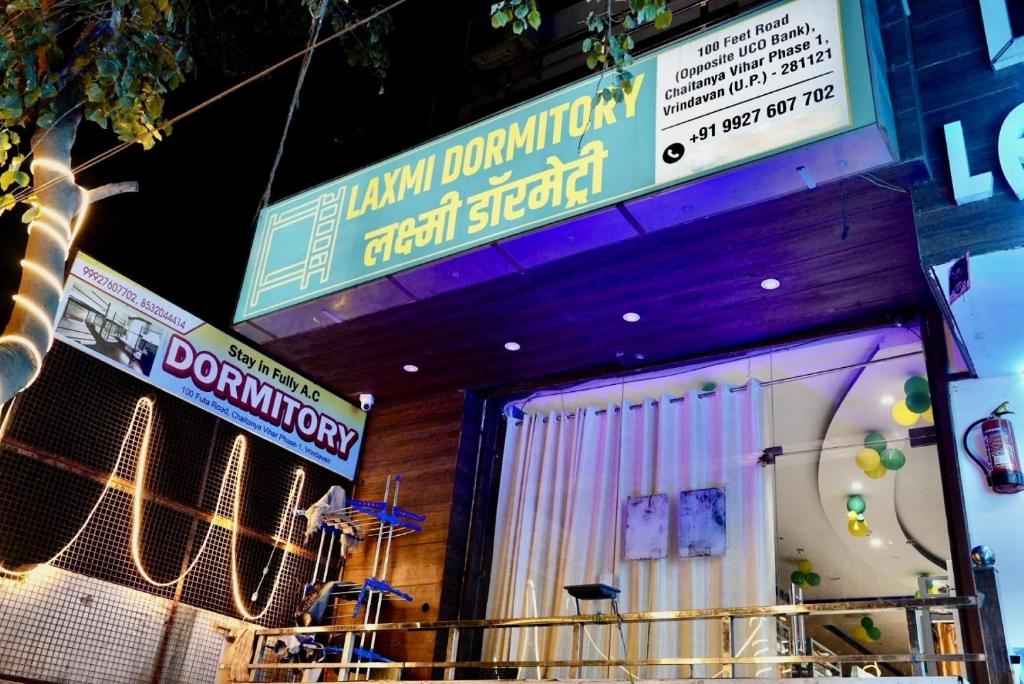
(419, 440)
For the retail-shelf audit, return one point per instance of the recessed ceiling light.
(513, 346)
(888, 400)
(876, 542)
(771, 284)
(856, 486)
(631, 317)
(409, 368)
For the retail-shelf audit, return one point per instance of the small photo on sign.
(646, 527)
(701, 523)
(110, 327)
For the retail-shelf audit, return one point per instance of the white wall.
(995, 520)
(59, 626)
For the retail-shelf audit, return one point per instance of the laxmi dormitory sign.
(121, 323)
(784, 76)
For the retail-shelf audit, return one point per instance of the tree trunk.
(28, 337)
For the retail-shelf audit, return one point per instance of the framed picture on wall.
(701, 523)
(646, 527)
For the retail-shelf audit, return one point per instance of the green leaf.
(522, 10)
(96, 116)
(10, 105)
(518, 26)
(6, 202)
(591, 61)
(46, 119)
(7, 178)
(498, 19)
(31, 214)
(663, 20)
(587, 44)
(534, 18)
(93, 92)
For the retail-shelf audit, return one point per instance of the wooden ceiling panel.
(843, 252)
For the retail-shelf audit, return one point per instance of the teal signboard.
(787, 75)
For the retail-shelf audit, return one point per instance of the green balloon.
(814, 579)
(708, 387)
(919, 402)
(876, 441)
(875, 633)
(893, 459)
(797, 577)
(856, 504)
(916, 385)
(867, 623)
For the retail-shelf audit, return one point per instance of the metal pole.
(344, 673)
(373, 573)
(319, 550)
(727, 638)
(452, 650)
(917, 668)
(384, 568)
(327, 562)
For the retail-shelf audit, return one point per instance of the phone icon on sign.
(673, 153)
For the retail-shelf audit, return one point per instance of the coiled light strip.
(51, 233)
(45, 275)
(142, 419)
(37, 313)
(287, 518)
(83, 210)
(52, 217)
(142, 406)
(138, 498)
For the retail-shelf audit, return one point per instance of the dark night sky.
(186, 235)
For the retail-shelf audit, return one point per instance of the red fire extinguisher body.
(1003, 464)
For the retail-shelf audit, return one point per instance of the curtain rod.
(767, 383)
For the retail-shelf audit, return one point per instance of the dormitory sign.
(783, 76)
(121, 323)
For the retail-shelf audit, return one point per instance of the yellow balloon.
(929, 416)
(867, 459)
(857, 528)
(804, 566)
(861, 634)
(876, 474)
(903, 415)
(851, 515)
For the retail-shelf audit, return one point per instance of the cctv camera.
(366, 401)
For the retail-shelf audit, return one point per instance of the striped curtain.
(564, 483)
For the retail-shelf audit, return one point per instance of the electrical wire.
(117, 149)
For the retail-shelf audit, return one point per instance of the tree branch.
(111, 189)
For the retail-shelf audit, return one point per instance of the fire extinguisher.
(1001, 463)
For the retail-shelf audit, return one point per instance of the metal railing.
(343, 663)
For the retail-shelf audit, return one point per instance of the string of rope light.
(142, 406)
(138, 434)
(117, 149)
(287, 519)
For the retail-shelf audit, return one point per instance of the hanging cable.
(314, 36)
(117, 149)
